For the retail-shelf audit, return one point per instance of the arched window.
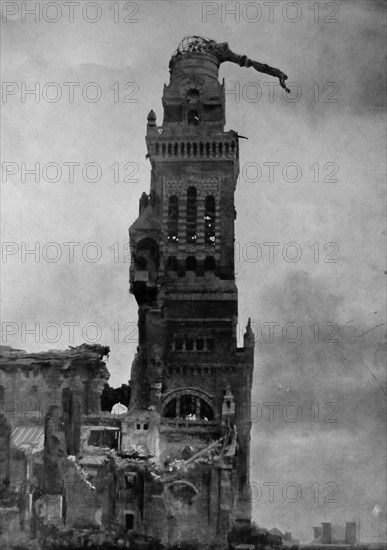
(193, 118)
(190, 263)
(191, 215)
(209, 220)
(173, 218)
(188, 407)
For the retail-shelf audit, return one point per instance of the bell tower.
(188, 370)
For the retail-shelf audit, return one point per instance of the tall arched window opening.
(173, 218)
(209, 220)
(191, 215)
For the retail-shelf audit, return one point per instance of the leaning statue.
(222, 52)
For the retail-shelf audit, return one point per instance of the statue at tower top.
(222, 52)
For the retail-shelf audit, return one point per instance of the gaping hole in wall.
(110, 396)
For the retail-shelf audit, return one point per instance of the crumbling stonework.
(169, 467)
(190, 384)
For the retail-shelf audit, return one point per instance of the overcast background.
(335, 114)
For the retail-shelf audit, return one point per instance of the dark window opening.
(179, 344)
(193, 96)
(190, 263)
(191, 215)
(193, 118)
(206, 411)
(189, 407)
(157, 148)
(228, 404)
(141, 263)
(130, 481)
(146, 426)
(209, 220)
(189, 344)
(103, 438)
(129, 522)
(146, 256)
(210, 344)
(173, 218)
(200, 344)
(138, 426)
(170, 409)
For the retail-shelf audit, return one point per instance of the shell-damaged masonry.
(172, 471)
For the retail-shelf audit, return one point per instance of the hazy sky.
(326, 148)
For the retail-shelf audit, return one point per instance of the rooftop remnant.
(222, 52)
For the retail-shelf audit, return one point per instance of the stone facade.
(191, 384)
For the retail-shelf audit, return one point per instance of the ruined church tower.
(190, 383)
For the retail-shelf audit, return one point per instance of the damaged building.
(168, 468)
(190, 382)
